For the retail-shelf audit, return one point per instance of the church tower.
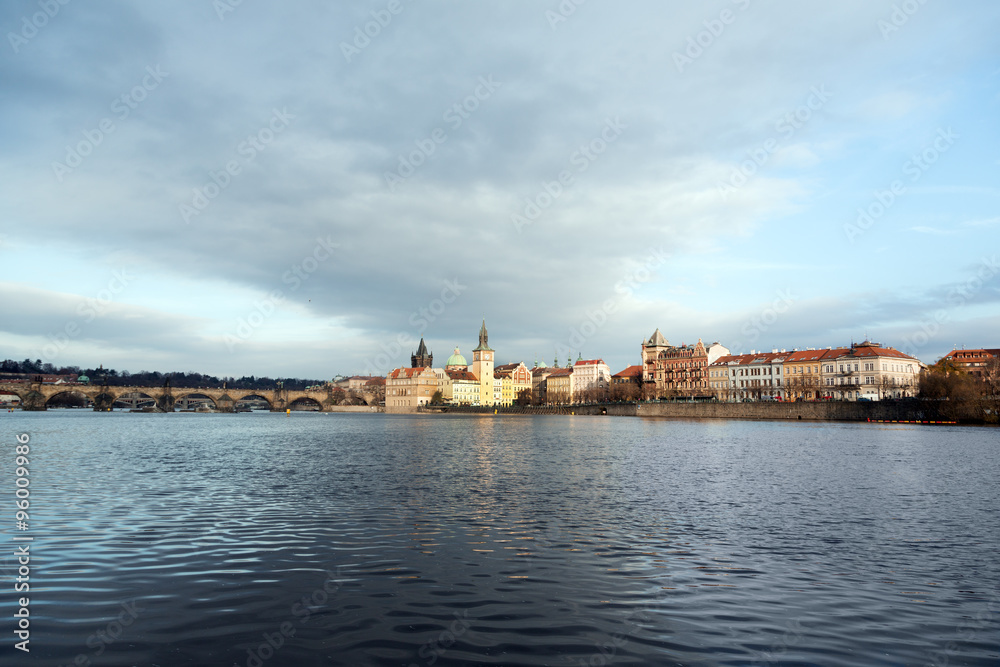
(482, 367)
(423, 358)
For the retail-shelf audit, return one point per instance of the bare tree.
(524, 397)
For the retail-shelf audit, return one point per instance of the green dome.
(83, 378)
(456, 360)
(541, 364)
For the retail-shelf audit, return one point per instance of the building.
(456, 362)
(973, 362)
(669, 371)
(591, 379)
(519, 380)
(803, 374)
(422, 358)
(42, 378)
(482, 367)
(499, 383)
(559, 386)
(626, 385)
(868, 371)
(462, 388)
(538, 386)
(355, 383)
(748, 377)
(407, 389)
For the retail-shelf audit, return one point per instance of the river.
(353, 539)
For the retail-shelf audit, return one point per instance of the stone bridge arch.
(262, 395)
(200, 394)
(305, 404)
(67, 391)
(36, 396)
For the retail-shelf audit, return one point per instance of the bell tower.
(482, 367)
(423, 358)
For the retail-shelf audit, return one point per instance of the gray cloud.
(323, 174)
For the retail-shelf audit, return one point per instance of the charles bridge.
(36, 396)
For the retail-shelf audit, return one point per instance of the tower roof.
(422, 358)
(456, 359)
(483, 338)
(657, 338)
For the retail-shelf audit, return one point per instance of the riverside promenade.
(908, 410)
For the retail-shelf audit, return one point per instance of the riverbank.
(849, 411)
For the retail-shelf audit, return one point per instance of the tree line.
(124, 378)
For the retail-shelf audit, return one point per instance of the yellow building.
(517, 379)
(406, 389)
(482, 367)
(803, 375)
(559, 386)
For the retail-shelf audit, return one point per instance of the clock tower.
(482, 367)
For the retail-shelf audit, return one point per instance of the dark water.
(189, 539)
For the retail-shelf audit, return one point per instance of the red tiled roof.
(806, 355)
(741, 359)
(630, 372)
(507, 367)
(561, 372)
(875, 351)
(461, 375)
(406, 372)
(589, 362)
(973, 355)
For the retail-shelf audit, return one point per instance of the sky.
(304, 189)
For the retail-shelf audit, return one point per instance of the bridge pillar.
(165, 402)
(225, 403)
(34, 401)
(103, 402)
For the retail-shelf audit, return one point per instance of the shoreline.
(884, 412)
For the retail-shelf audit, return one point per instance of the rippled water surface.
(190, 539)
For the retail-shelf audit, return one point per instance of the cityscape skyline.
(243, 189)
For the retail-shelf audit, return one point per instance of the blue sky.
(264, 189)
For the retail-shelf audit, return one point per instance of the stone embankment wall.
(820, 411)
(929, 411)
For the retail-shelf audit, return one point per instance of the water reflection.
(364, 539)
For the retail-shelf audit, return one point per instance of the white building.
(745, 377)
(868, 371)
(591, 375)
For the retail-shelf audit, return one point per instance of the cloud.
(204, 137)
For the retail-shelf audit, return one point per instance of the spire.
(657, 339)
(422, 358)
(483, 340)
